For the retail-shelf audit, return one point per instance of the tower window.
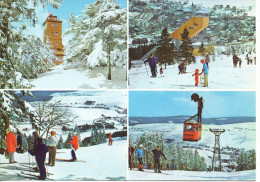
(52, 24)
(52, 33)
(56, 33)
(56, 44)
(195, 24)
(56, 25)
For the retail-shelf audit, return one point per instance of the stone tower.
(53, 37)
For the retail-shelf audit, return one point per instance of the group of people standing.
(39, 149)
(139, 153)
(182, 68)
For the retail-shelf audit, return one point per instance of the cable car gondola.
(192, 129)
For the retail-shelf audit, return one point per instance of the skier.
(152, 63)
(52, 146)
(208, 170)
(130, 156)
(196, 74)
(157, 153)
(235, 60)
(110, 139)
(173, 167)
(19, 143)
(40, 155)
(11, 144)
(75, 146)
(139, 153)
(168, 166)
(205, 71)
(182, 67)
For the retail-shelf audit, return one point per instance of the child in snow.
(161, 70)
(40, 155)
(196, 74)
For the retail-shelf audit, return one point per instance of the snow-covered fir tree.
(165, 51)
(99, 36)
(15, 16)
(66, 144)
(98, 136)
(13, 109)
(60, 143)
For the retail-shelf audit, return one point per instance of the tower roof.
(51, 18)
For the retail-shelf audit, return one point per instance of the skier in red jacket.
(110, 142)
(75, 146)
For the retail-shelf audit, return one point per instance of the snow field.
(62, 79)
(103, 162)
(191, 175)
(222, 75)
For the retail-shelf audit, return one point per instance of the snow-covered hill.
(102, 162)
(222, 75)
(191, 175)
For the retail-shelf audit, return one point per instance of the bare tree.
(48, 116)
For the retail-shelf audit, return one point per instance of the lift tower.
(216, 154)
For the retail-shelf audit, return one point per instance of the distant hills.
(180, 119)
(41, 95)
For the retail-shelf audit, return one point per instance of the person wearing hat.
(11, 144)
(205, 71)
(52, 143)
(139, 153)
(75, 146)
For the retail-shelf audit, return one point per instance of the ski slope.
(75, 78)
(102, 162)
(222, 75)
(191, 175)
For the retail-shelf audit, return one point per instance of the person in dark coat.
(152, 63)
(19, 143)
(156, 154)
(40, 155)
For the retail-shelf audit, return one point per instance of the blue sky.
(63, 13)
(172, 103)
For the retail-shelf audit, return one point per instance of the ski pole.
(29, 165)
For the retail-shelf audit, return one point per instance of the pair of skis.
(24, 173)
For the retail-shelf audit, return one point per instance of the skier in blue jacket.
(152, 63)
(40, 155)
(139, 153)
